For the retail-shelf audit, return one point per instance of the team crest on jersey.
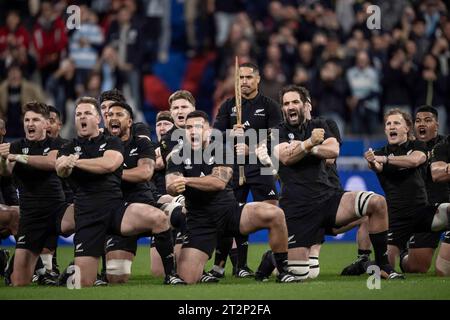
(77, 150)
(291, 136)
(211, 161)
(260, 113)
(102, 147)
(133, 152)
(25, 150)
(45, 152)
(180, 141)
(409, 152)
(188, 163)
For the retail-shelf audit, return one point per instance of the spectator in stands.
(49, 39)
(85, 44)
(364, 101)
(15, 91)
(397, 82)
(270, 85)
(62, 87)
(225, 12)
(430, 88)
(125, 37)
(330, 91)
(110, 68)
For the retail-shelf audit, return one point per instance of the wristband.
(22, 158)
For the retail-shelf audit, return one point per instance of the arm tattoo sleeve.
(222, 173)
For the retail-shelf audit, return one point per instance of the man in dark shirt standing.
(399, 167)
(309, 200)
(94, 163)
(421, 246)
(258, 113)
(43, 210)
(211, 205)
(440, 171)
(139, 162)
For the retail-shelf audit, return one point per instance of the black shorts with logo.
(305, 223)
(40, 226)
(93, 226)
(402, 227)
(263, 187)
(203, 230)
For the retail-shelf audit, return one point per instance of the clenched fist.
(369, 155)
(317, 136)
(4, 150)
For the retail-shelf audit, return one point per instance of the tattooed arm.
(216, 181)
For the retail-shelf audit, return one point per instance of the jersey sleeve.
(173, 166)
(114, 143)
(66, 149)
(223, 117)
(420, 146)
(275, 116)
(16, 147)
(380, 152)
(334, 130)
(440, 152)
(146, 149)
(141, 129)
(279, 133)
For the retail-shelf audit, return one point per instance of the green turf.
(328, 286)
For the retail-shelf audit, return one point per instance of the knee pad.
(118, 267)
(441, 218)
(314, 267)
(299, 268)
(442, 267)
(362, 202)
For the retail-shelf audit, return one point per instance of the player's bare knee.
(442, 267)
(377, 206)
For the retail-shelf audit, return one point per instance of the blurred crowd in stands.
(353, 72)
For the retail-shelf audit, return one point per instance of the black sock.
(178, 219)
(362, 252)
(281, 260)
(242, 250)
(54, 261)
(222, 251)
(267, 264)
(103, 264)
(164, 246)
(234, 257)
(379, 243)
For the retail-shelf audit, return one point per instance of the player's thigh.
(191, 264)
(420, 259)
(258, 215)
(138, 218)
(68, 221)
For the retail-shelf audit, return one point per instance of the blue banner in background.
(352, 180)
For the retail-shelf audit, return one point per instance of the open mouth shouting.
(422, 132)
(114, 127)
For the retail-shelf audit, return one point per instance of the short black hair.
(198, 114)
(37, 107)
(250, 65)
(123, 105)
(53, 109)
(427, 108)
(302, 91)
(114, 95)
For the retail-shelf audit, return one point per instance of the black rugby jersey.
(94, 190)
(305, 182)
(438, 192)
(207, 203)
(404, 187)
(36, 187)
(137, 148)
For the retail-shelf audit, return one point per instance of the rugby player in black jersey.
(440, 172)
(309, 200)
(93, 161)
(139, 162)
(43, 210)
(421, 246)
(211, 205)
(399, 167)
(258, 112)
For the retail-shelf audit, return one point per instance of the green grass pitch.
(329, 285)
